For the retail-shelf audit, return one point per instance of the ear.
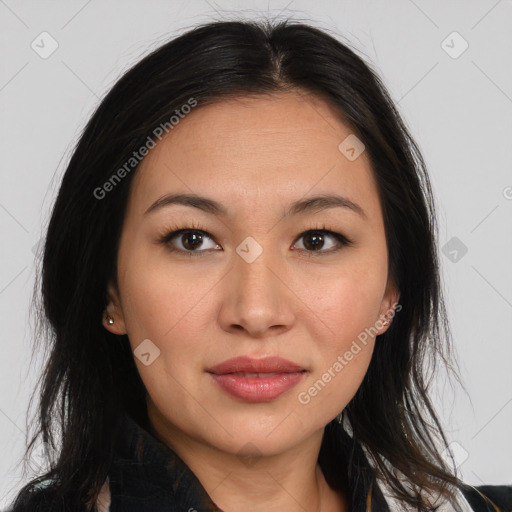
(114, 311)
(389, 307)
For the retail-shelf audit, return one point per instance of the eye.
(192, 239)
(315, 240)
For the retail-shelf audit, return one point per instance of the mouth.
(256, 380)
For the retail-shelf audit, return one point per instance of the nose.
(256, 298)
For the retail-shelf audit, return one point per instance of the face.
(258, 279)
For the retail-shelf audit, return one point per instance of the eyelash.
(174, 231)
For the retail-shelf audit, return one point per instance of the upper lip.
(250, 365)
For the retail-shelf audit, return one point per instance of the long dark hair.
(90, 377)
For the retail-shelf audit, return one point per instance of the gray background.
(458, 109)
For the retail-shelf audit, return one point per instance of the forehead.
(255, 150)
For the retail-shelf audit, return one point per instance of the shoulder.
(492, 498)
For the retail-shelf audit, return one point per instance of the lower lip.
(257, 389)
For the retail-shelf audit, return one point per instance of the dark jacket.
(147, 476)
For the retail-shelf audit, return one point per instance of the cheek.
(347, 303)
(344, 345)
(169, 310)
(348, 308)
(155, 299)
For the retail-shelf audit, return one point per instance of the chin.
(260, 436)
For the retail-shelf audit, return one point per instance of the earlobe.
(389, 307)
(113, 319)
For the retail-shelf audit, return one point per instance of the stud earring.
(110, 320)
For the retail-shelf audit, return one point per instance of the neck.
(288, 481)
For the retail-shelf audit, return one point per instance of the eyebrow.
(308, 205)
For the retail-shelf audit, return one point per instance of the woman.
(241, 279)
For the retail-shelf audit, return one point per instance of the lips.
(256, 380)
(267, 365)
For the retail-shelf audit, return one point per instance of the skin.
(255, 155)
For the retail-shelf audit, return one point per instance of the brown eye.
(315, 240)
(191, 240)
